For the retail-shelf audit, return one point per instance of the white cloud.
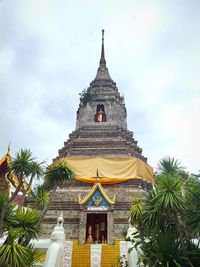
(181, 124)
(6, 59)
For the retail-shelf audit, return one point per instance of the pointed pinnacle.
(102, 60)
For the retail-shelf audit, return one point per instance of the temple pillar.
(110, 226)
(82, 227)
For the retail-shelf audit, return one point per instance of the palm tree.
(37, 171)
(135, 217)
(12, 253)
(18, 224)
(192, 213)
(9, 217)
(26, 221)
(153, 218)
(164, 250)
(41, 195)
(168, 165)
(170, 198)
(165, 213)
(55, 174)
(20, 167)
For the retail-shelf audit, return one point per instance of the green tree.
(170, 218)
(41, 195)
(13, 254)
(135, 216)
(9, 216)
(169, 165)
(36, 171)
(192, 213)
(55, 174)
(18, 224)
(20, 167)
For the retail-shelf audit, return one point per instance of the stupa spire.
(102, 72)
(102, 59)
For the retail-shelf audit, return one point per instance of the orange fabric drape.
(110, 170)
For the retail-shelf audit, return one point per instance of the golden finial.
(8, 153)
(97, 176)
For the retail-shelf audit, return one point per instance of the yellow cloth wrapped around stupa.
(109, 170)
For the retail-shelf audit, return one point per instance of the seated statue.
(100, 115)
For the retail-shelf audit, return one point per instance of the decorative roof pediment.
(96, 197)
(5, 168)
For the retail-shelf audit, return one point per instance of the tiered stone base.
(102, 140)
(81, 254)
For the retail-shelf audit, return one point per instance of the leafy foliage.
(57, 174)
(85, 96)
(12, 253)
(19, 223)
(168, 165)
(136, 211)
(26, 221)
(169, 218)
(163, 250)
(123, 262)
(192, 213)
(169, 192)
(42, 196)
(21, 165)
(9, 218)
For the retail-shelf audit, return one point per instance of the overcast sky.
(49, 52)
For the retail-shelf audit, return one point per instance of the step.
(81, 254)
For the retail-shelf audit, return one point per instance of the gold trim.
(97, 185)
(11, 177)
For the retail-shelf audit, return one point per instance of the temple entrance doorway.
(96, 228)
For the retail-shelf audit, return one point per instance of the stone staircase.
(81, 255)
(110, 255)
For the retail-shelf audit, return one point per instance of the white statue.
(55, 252)
(133, 256)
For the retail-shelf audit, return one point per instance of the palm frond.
(21, 165)
(169, 165)
(9, 218)
(58, 173)
(14, 254)
(27, 219)
(136, 211)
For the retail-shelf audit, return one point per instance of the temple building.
(108, 164)
(8, 180)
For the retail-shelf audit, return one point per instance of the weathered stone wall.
(115, 114)
(66, 201)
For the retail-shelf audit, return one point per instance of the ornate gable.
(97, 197)
(4, 180)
